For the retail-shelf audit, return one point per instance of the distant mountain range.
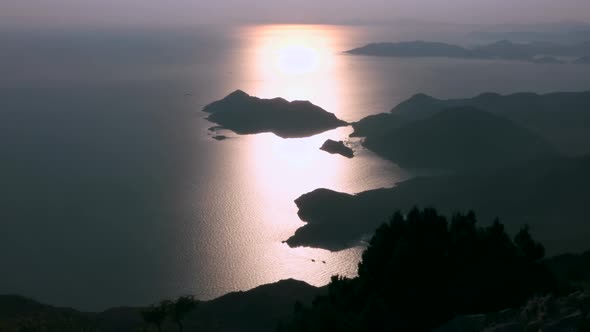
(504, 49)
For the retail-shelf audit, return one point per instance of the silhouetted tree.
(180, 308)
(156, 314)
(531, 249)
(419, 271)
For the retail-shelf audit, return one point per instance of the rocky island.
(339, 147)
(245, 114)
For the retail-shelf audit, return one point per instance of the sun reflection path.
(295, 62)
(280, 170)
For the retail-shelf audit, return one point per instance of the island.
(220, 137)
(245, 114)
(412, 49)
(549, 195)
(503, 49)
(531, 111)
(339, 147)
(460, 138)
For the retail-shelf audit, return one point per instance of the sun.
(297, 59)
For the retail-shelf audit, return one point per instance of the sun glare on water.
(297, 59)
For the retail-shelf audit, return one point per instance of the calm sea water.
(112, 191)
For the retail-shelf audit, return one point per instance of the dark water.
(112, 192)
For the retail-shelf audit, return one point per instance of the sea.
(114, 193)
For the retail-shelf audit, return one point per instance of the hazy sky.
(305, 11)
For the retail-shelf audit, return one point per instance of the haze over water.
(114, 193)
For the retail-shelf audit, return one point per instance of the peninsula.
(531, 111)
(337, 221)
(460, 138)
